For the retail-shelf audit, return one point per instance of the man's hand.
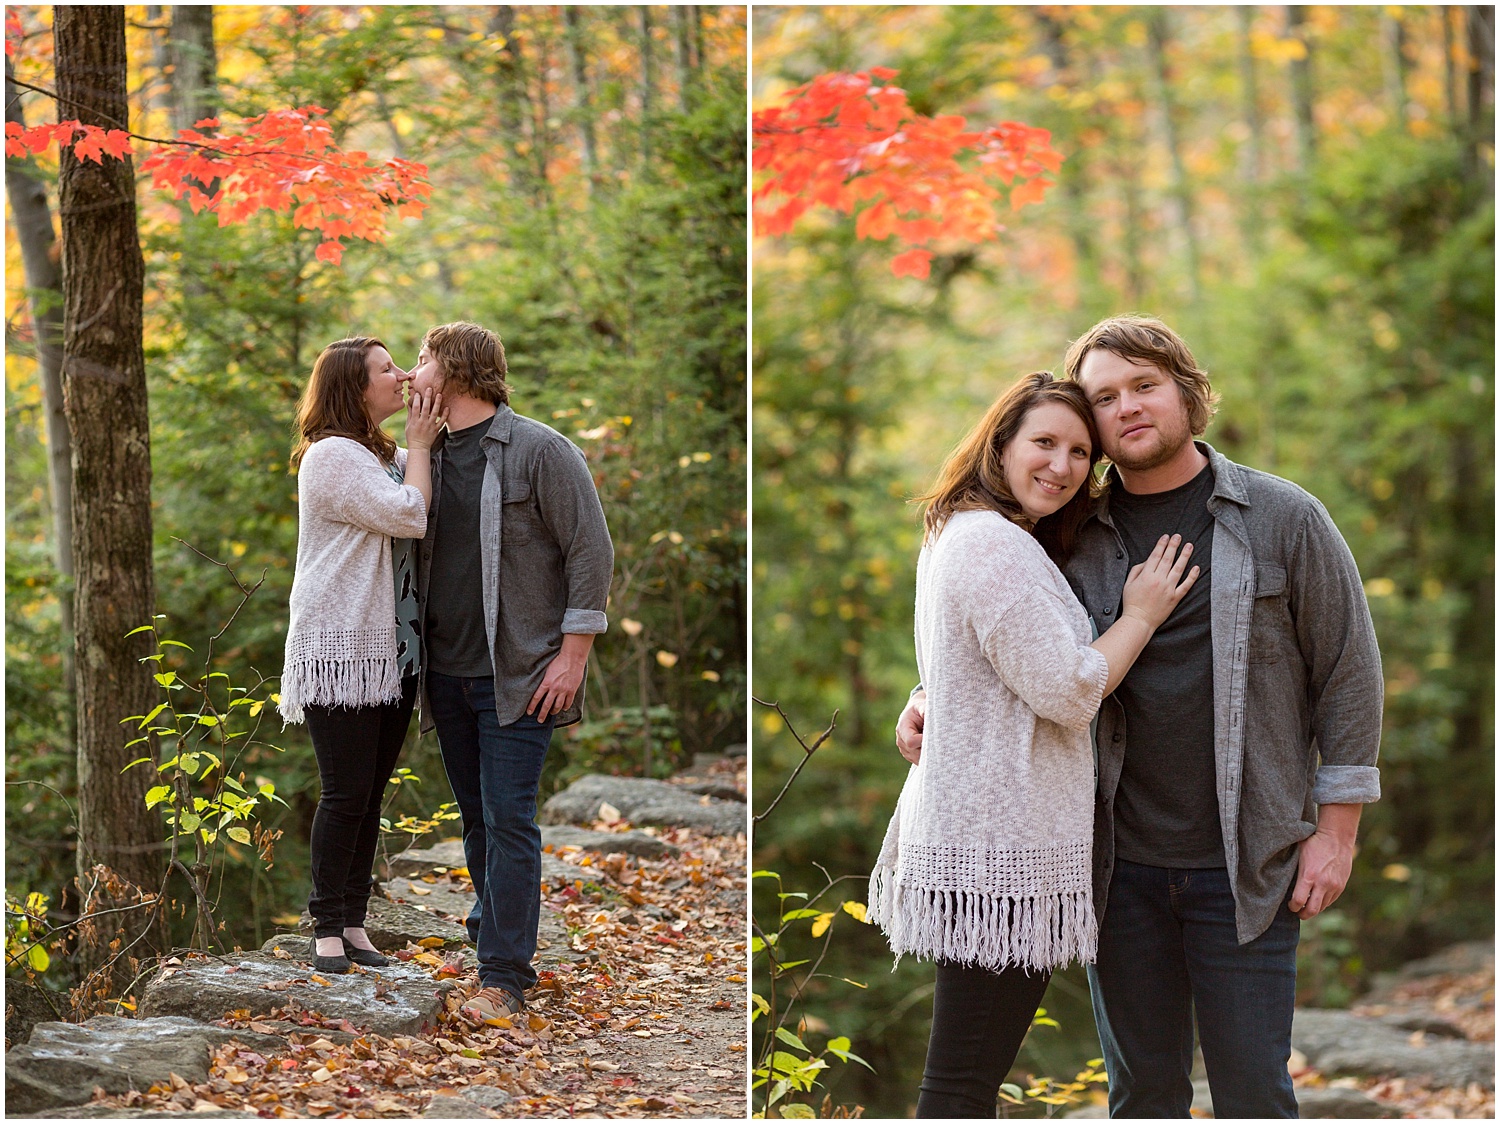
(1325, 859)
(563, 676)
(909, 728)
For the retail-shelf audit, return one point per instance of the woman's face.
(383, 393)
(1047, 460)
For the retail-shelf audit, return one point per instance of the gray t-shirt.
(457, 643)
(1167, 805)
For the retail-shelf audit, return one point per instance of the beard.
(1171, 435)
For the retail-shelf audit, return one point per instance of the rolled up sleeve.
(569, 505)
(1337, 639)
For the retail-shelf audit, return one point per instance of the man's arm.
(1325, 859)
(909, 727)
(564, 674)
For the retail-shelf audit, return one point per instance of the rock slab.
(1340, 1043)
(408, 1001)
(644, 801)
(63, 1062)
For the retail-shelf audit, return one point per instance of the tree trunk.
(33, 225)
(1450, 65)
(1302, 92)
(195, 65)
(582, 101)
(1393, 39)
(1073, 178)
(1250, 154)
(1481, 28)
(104, 389)
(511, 97)
(648, 85)
(683, 36)
(1158, 37)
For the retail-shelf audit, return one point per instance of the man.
(512, 581)
(1253, 723)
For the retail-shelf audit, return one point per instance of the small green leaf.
(797, 915)
(208, 720)
(165, 678)
(239, 835)
(143, 628)
(189, 822)
(188, 763)
(180, 644)
(159, 708)
(760, 1005)
(165, 765)
(765, 874)
(797, 1112)
(37, 957)
(138, 760)
(156, 795)
(784, 1035)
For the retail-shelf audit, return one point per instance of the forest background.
(1306, 195)
(587, 169)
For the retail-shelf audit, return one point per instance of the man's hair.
(333, 405)
(472, 360)
(1145, 339)
(973, 479)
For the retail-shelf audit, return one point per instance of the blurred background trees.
(1306, 194)
(588, 171)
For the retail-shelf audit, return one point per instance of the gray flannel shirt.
(1297, 680)
(545, 557)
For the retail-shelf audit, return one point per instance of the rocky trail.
(1420, 1044)
(639, 1010)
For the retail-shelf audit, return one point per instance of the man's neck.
(465, 411)
(1184, 465)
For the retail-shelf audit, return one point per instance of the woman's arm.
(425, 418)
(1152, 591)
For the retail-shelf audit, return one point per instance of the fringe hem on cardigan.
(337, 682)
(989, 930)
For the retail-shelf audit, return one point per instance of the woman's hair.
(972, 478)
(1146, 340)
(333, 405)
(472, 360)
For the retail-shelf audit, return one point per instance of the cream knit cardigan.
(987, 859)
(341, 640)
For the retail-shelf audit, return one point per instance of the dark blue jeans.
(494, 771)
(1167, 949)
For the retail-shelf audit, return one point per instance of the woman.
(986, 865)
(352, 649)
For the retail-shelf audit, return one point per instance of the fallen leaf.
(432, 942)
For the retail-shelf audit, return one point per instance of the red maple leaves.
(841, 141)
(283, 160)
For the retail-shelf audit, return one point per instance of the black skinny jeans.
(357, 748)
(979, 1019)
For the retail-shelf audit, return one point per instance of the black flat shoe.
(335, 965)
(365, 956)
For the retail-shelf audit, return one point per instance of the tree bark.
(195, 65)
(1158, 35)
(1302, 93)
(1481, 28)
(1250, 154)
(510, 80)
(648, 85)
(682, 33)
(582, 100)
(1393, 40)
(39, 255)
(104, 393)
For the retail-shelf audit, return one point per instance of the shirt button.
(1109, 612)
(1115, 738)
(1119, 554)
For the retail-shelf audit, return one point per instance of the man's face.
(426, 376)
(1139, 409)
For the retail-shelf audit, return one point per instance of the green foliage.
(1345, 315)
(26, 933)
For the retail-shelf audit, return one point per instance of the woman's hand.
(425, 418)
(1155, 586)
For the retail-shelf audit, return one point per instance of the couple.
(469, 570)
(1235, 707)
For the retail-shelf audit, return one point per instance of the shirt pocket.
(1271, 629)
(520, 519)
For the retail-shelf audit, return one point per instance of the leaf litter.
(642, 1015)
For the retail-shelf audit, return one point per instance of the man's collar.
(1229, 482)
(500, 424)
